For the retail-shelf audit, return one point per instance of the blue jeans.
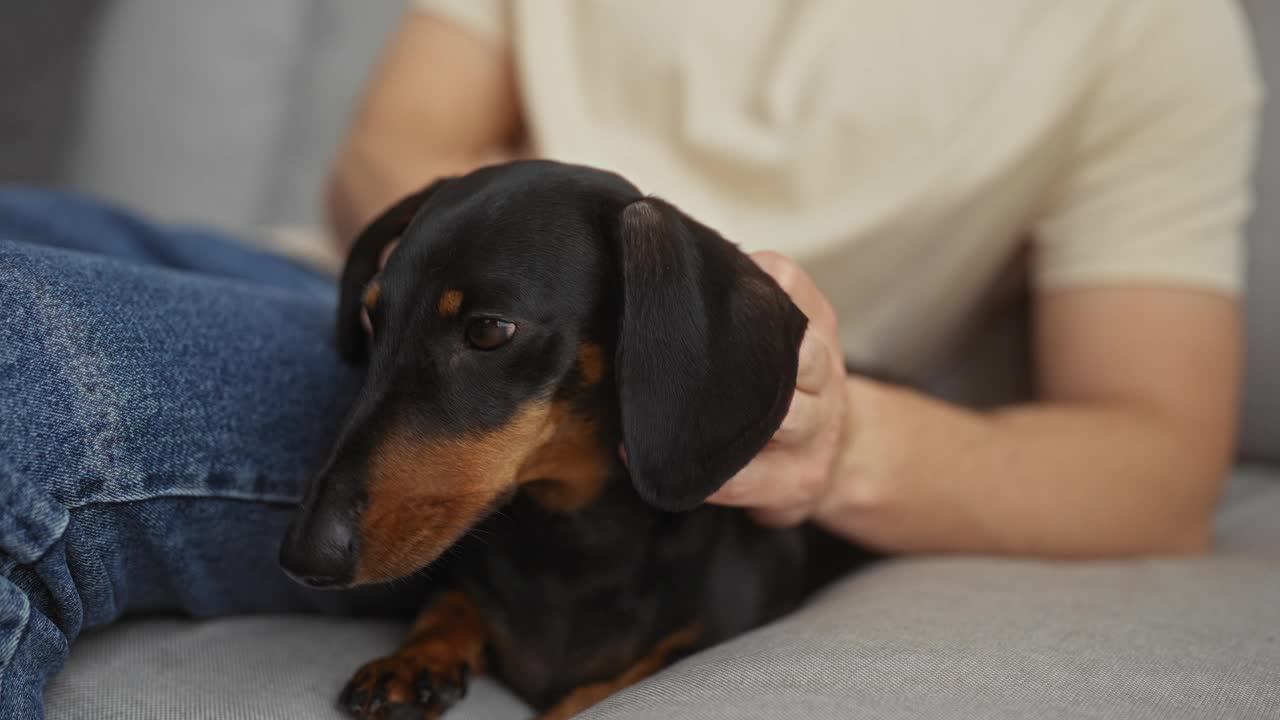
(164, 395)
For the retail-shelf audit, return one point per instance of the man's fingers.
(815, 364)
(802, 421)
(737, 492)
(753, 486)
(775, 479)
(780, 517)
(801, 288)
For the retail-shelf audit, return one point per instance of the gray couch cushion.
(988, 639)
(985, 640)
(224, 113)
(42, 62)
(1262, 395)
(186, 105)
(935, 639)
(253, 668)
(342, 43)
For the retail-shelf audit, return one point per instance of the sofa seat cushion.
(928, 638)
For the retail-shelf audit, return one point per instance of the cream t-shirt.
(911, 153)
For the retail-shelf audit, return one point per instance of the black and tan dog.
(533, 318)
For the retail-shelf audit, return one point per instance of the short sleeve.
(487, 19)
(1157, 188)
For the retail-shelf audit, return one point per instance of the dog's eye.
(489, 333)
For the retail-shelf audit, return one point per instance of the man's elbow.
(1198, 460)
(1190, 539)
(1189, 527)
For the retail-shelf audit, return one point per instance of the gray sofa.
(225, 113)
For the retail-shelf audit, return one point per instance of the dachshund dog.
(533, 320)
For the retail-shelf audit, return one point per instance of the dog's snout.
(320, 548)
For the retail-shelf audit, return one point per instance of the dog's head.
(530, 317)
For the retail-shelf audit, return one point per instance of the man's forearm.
(1080, 480)
(439, 102)
(373, 173)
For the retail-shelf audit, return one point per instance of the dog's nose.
(320, 549)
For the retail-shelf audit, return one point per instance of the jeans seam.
(9, 651)
(268, 498)
(283, 501)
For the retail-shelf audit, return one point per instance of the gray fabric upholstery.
(251, 668)
(223, 113)
(987, 639)
(984, 640)
(186, 106)
(343, 39)
(1261, 437)
(43, 53)
(937, 639)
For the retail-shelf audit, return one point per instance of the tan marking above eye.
(591, 362)
(450, 303)
(371, 293)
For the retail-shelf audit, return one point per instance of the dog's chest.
(565, 608)
(547, 650)
(581, 600)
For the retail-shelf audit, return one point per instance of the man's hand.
(1123, 453)
(786, 481)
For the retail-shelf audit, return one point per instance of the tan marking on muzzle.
(425, 493)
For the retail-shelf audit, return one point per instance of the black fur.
(706, 355)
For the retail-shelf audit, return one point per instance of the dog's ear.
(707, 353)
(362, 265)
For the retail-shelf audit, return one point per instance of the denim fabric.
(164, 394)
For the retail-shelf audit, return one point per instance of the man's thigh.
(157, 422)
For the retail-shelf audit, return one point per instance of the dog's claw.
(425, 688)
(405, 686)
(435, 690)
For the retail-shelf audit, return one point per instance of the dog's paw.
(405, 686)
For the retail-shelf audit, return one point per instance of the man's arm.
(1135, 261)
(441, 101)
(1126, 452)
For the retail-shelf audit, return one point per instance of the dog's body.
(582, 599)
(534, 318)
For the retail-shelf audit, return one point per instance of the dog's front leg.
(657, 658)
(429, 673)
